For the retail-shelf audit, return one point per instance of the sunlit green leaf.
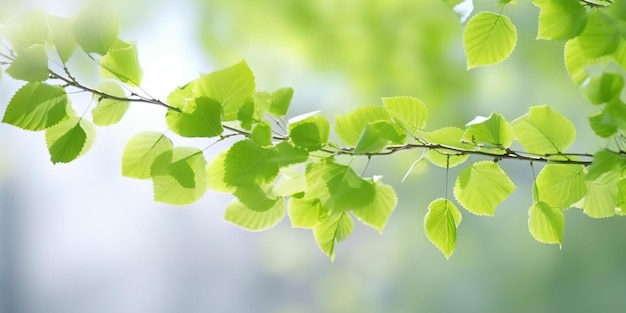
(576, 62)
(200, 118)
(441, 223)
(602, 89)
(262, 134)
(481, 187)
(602, 124)
(63, 36)
(377, 213)
(69, 139)
(291, 182)
(285, 154)
(122, 62)
(560, 185)
(309, 131)
(544, 130)
(255, 197)
(30, 29)
(614, 111)
(410, 113)
(37, 106)
(333, 229)
(377, 135)
(619, 55)
(240, 215)
(605, 161)
(620, 200)
(109, 111)
(493, 130)
(31, 64)
(181, 96)
(447, 137)
(247, 162)
(140, 153)
(231, 87)
(281, 99)
(545, 223)
(96, 28)
(600, 36)
(489, 38)
(350, 126)
(179, 176)
(305, 213)
(560, 19)
(600, 200)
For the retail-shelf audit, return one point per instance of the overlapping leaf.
(441, 223)
(560, 185)
(493, 130)
(281, 99)
(140, 153)
(410, 113)
(480, 188)
(333, 229)
(97, 28)
(69, 139)
(63, 36)
(604, 88)
(309, 131)
(240, 215)
(447, 137)
(305, 213)
(37, 106)
(31, 64)
(122, 62)
(546, 223)
(350, 126)
(600, 36)
(179, 176)
(601, 197)
(30, 29)
(376, 213)
(489, 38)
(560, 19)
(544, 130)
(109, 111)
(200, 118)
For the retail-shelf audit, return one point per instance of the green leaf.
(619, 55)
(69, 139)
(231, 87)
(489, 38)
(255, 197)
(261, 103)
(37, 106)
(140, 153)
(410, 113)
(305, 213)
(180, 96)
(620, 200)
(481, 187)
(122, 62)
(493, 130)
(602, 89)
(560, 19)
(447, 137)
(377, 213)
(543, 130)
(262, 134)
(200, 118)
(605, 161)
(333, 229)
(109, 111)
(281, 99)
(216, 174)
(560, 185)
(240, 215)
(285, 154)
(248, 163)
(545, 223)
(576, 62)
(31, 64)
(600, 36)
(601, 198)
(96, 28)
(179, 176)
(291, 182)
(377, 135)
(441, 223)
(63, 36)
(614, 111)
(602, 124)
(309, 131)
(350, 126)
(31, 29)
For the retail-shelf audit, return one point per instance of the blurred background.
(81, 238)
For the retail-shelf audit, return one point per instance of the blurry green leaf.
(179, 176)
(96, 28)
(619, 55)
(560, 19)
(489, 38)
(261, 102)
(254, 197)
(350, 126)
(262, 134)
(31, 64)
(181, 96)
(600, 200)
(333, 229)
(602, 89)
(447, 137)
(36, 106)
(305, 213)
(481, 187)
(216, 174)
(242, 216)
(614, 110)
(309, 131)
(245, 115)
(410, 113)
(31, 29)
(63, 36)
(600, 36)
(377, 213)
(620, 200)
(377, 135)
(122, 61)
(201, 118)
(441, 223)
(140, 153)
(545, 223)
(231, 87)
(576, 62)
(602, 125)
(493, 130)
(281, 99)
(560, 185)
(69, 139)
(544, 130)
(109, 111)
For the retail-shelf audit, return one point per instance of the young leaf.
(305, 213)
(231, 87)
(621, 196)
(576, 62)
(109, 111)
(350, 126)
(602, 89)
(447, 137)
(122, 62)
(69, 139)
(281, 99)
(560, 19)
(600, 200)
(247, 163)
(31, 64)
(216, 174)
(37, 106)
(410, 113)
(493, 130)
(543, 130)
(255, 197)
(333, 229)
(545, 223)
(489, 38)
(290, 183)
(600, 36)
(200, 118)
(140, 153)
(441, 223)
(285, 154)
(605, 161)
(262, 134)
(560, 185)
(32, 29)
(377, 213)
(240, 215)
(96, 28)
(309, 131)
(377, 135)
(179, 176)
(482, 186)
(63, 36)
(602, 124)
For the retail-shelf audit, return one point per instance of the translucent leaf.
(447, 137)
(240, 215)
(285, 154)
(576, 62)
(377, 213)
(122, 62)
(305, 213)
(255, 197)
(481, 187)
(310, 132)
(493, 130)
(604, 88)
(247, 162)
(140, 153)
(281, 99)
(489, 38)
(620, 200)
(96, 28)
(441, 223)
(560, 185)
(109, 111)
(543, 130)
(410, 113)
(614, 112)
(600, 200)
(31, 64)
(261, 103)
(245, 116)
(605, 161)
(32, 28)
(262, 134)
(179, 176)
(545, 223)
(619, 55)
(333, 229)
(600, 36)
(602, 125)
(350, 126)
(377, 135)
(63, 36)
(560, 19)
(69, 139)
(37, 106)
(181, 96)
(231, 87)
(200, 118)
(290, 182)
